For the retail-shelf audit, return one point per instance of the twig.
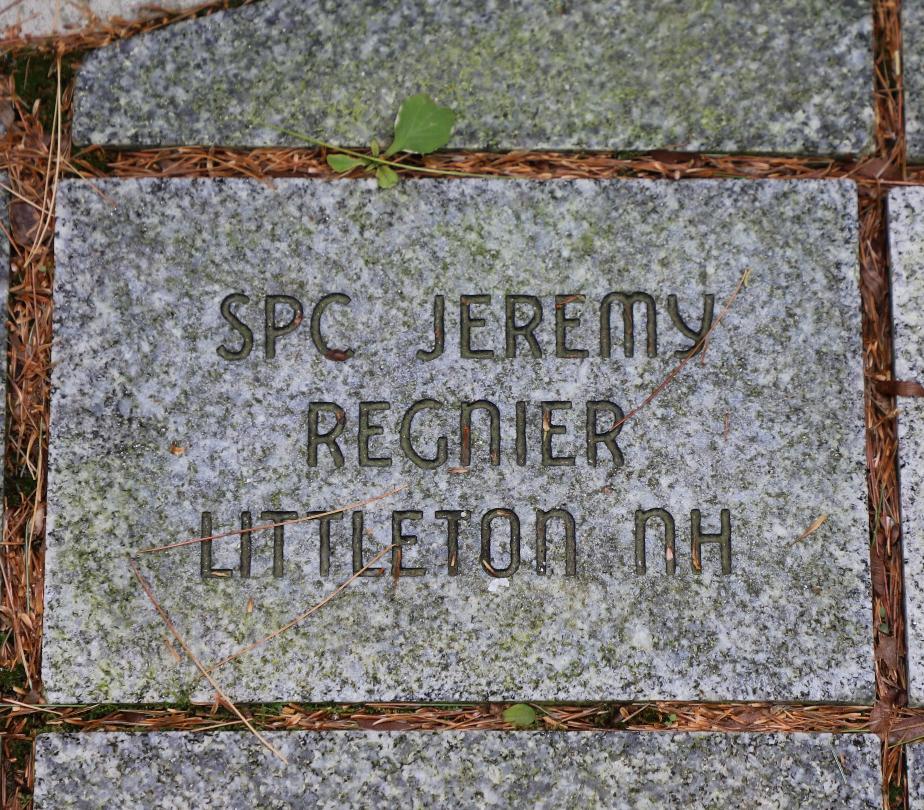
(226, 701)
(693, 352)
(50, 193)
(302, 616)
(816, 524)
(30, 706)
(236, 532)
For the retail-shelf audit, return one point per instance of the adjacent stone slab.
(913, 75)
(154, 423)
(462, 769)
(47, 17)
(775, 76)
(915, 777)
(906, 236)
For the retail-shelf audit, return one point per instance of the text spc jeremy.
(523, 317)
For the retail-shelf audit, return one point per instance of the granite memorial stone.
(614, 770)
(230, 356)
(767, 75)
(906, 237)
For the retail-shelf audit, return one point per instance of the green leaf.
(343, 163)
(421, 126)
(520, 715)
(386, 176)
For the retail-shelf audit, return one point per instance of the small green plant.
(520, 715)
(421, 127)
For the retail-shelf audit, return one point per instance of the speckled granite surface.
(653, 771)
(906, 237)
(762, 75)
(46, 17)
(150, 427)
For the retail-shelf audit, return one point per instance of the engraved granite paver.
(228, 354)
(767, 75)
(462, 769)
(906, 238)
(913, 75)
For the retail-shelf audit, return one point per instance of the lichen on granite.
(536, 770)
(716, 75)
(150, 427)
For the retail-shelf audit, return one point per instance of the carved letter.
(316, 438)
(695, 335)
(486, 562)
(279, 537)
(452, 518)
(723, 539)
(542, 520)
(521, 432)
(563, 323)
(401, 540)
(358, 562)
(550, 429)
(275, 330)
(246, 550)
(324, 538)
(513, 329)
(317, 313)
(367, 431)
(205, 552)
(465, 428)
(609, 437)
(407, 422)
(629, 300)
(466, 322)
(641, 523)
(439, 331)
(238, 326)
